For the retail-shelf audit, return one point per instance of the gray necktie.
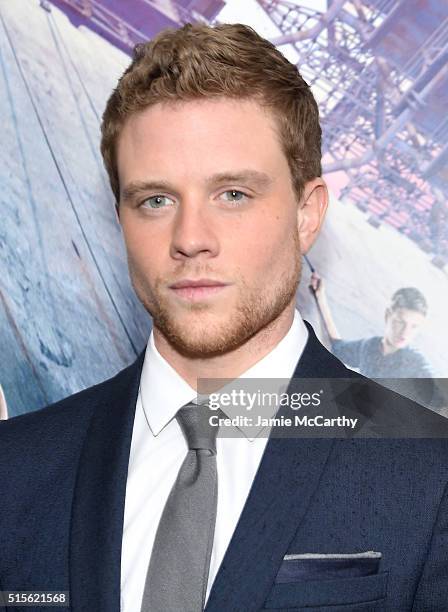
(178, 570)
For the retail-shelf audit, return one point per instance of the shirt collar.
(163, 391)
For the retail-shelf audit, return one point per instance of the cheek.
(269, 232)
(263, 250)
(267, 250)
(145, 261)
(141, 244)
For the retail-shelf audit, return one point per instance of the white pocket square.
(369, 554)
(314, 566)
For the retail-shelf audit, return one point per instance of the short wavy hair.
(227, 60)
(410, 298)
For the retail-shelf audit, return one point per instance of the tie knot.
(194, 422)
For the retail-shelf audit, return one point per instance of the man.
(212, 144)
(391, 355)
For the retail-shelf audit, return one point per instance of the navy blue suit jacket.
(63, 473)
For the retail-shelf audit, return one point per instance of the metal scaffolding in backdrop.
(381, 70)
(125, 24)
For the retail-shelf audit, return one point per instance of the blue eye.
(156, 201)
(237, 196)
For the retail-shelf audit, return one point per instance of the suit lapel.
(287, 477)
(98, 504)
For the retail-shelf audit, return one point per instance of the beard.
(255, 312)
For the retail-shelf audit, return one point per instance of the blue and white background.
(68, 315)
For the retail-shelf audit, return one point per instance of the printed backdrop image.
(375, 284)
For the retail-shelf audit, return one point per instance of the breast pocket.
(364, 592)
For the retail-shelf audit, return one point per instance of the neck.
(233, 363)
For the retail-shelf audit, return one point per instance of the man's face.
(215, 202)
(402, 325)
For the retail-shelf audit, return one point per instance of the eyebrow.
(260, 180)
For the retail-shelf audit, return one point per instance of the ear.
(311, 212)
(387, 314)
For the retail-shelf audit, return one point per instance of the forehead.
(408, 315)
(199, 136)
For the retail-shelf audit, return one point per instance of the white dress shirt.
(158, 449)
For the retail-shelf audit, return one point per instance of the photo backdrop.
(68, 315)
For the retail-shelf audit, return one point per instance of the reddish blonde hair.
(228, 60)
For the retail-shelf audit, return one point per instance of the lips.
(198, 289)
(202, 282)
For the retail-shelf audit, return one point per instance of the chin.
(197, 344)
(400, 345)
(196, 331)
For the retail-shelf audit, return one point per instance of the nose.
(192, 232)
(400, 326)
(406, 329)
